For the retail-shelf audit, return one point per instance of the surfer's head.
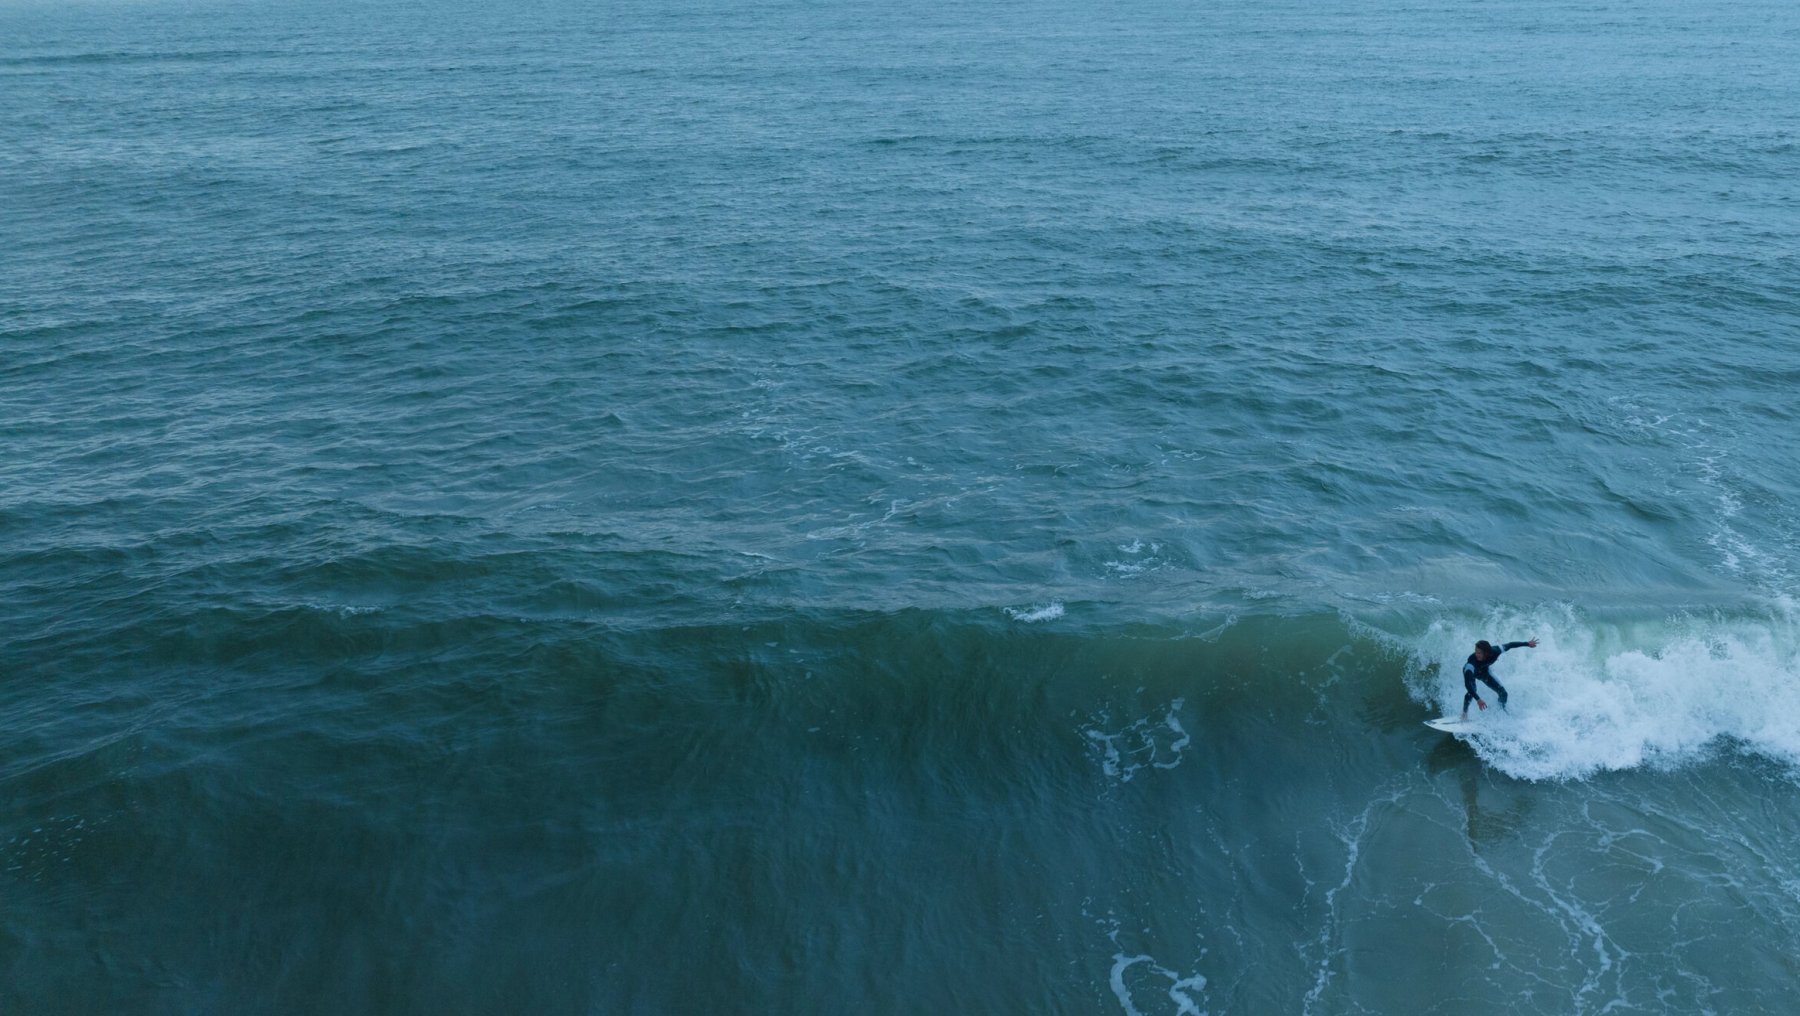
(1485, 649)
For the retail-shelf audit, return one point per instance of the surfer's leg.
(1491, 683)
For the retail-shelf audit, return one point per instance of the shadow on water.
(1457, 758)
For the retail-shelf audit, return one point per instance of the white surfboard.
(1451, 725)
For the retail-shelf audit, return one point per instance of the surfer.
(1476, 669)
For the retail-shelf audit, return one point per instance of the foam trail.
(1594, 697)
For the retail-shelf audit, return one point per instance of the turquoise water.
(903, 508)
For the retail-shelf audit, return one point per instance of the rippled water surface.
(821, 507)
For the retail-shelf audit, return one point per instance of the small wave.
(1122, 568)
(340, 609)
(1143, 557)
(131, 56)
(1048, 612)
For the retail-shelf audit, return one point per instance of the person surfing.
(1476, 669)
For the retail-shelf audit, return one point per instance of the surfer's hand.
(1531, 644)
(1481, 703)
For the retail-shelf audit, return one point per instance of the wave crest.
(1597, 696)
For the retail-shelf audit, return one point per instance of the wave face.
(678, 507)
(1220, 817)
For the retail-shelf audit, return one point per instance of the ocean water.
(823, 507)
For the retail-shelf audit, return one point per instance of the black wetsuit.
(1477, 670)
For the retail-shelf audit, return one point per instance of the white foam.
(1756, 550)
(1126, 570)
(1141, 557)
(1143, 744)
(1048, 612)
(1182, 990)
(1185, 991)
(1597, 696)
(340, 609)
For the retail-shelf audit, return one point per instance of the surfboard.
(1451, 725)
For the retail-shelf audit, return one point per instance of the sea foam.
(1596, 696)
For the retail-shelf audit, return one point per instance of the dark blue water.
(899, 508)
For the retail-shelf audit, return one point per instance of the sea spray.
(1606, 694)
